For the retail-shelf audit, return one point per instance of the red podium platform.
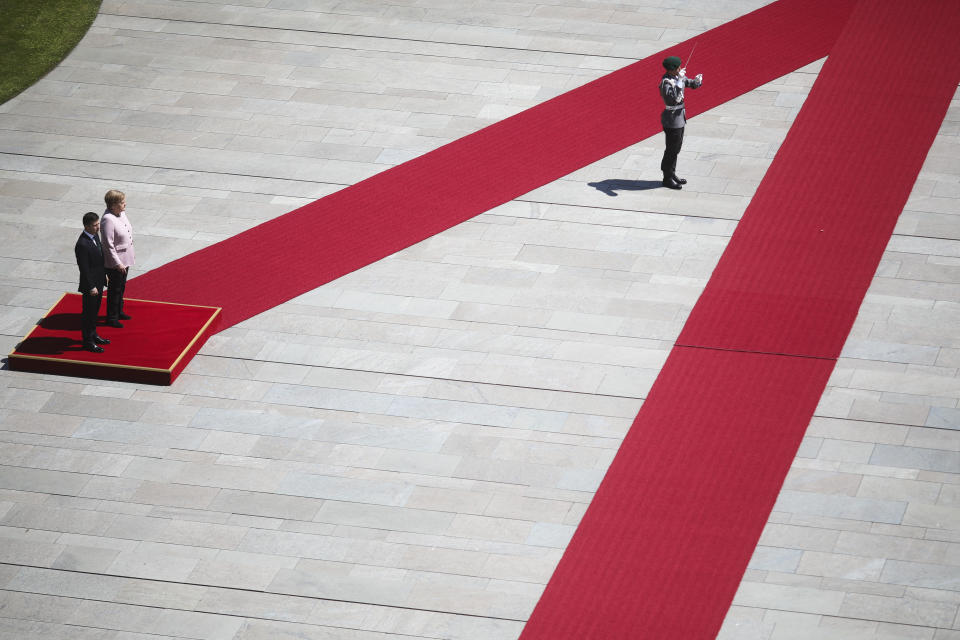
(153, 347)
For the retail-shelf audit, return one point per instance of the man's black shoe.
(680, 180)
(89, 346)
(670, 184)
(124, 316)
(114, 323)
(99, 340)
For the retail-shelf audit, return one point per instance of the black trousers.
(88, 316)
(115, 287)
(674, 142)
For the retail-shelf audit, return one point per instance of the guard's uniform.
(673, 118)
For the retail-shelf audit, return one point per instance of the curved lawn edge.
(36, 36)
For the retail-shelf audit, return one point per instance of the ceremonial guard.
(674, 117)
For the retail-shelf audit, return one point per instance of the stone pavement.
(405, 452)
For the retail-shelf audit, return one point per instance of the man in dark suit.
(93, 278)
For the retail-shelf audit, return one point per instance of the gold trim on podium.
(197, 335)
(94, 363)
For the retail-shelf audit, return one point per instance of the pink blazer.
(116, 233)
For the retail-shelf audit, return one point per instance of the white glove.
(683, 72)
(699, 78)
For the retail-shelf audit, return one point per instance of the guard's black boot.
(680, 180)
(670, 183)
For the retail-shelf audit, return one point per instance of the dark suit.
(93, 275)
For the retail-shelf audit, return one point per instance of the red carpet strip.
(259, 269)
(663, 545)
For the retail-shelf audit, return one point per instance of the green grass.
(35, 35)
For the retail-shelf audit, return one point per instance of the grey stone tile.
(824, 482)
(158, 594)
(452, 500)
(36, 630)
(845, 451)
(391, 592)
(932, 516)
(775, 559)
(848, 567)
(120, 489)
(913, 457)
(109, 615)
(905, 610)
(91, 462)
(179, 495)
(380, 517)
(347, 489)
(42, 608)
(897, 489)
(745, 623)
(891, 547)
(944, 418)
(270, 505)
(64, 520)
(471, 601)
(197, 624)
(44, 423)
(135, 433)
(518, 473)
(800, 599)
(276, 630)
(64, 583)
(320, 547)
(153, 566)
(546, 534)
(7, 572)
(41, 480)
(255, 604)
(932, 576)
(841, 506)
(787, 536)
(523, 508)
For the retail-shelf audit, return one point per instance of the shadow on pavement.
(610, 187)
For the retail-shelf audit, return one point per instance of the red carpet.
(662, 548)
(295, 253)
(153, 347)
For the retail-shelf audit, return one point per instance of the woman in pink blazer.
(116, 233)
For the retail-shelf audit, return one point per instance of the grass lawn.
(35, 35)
